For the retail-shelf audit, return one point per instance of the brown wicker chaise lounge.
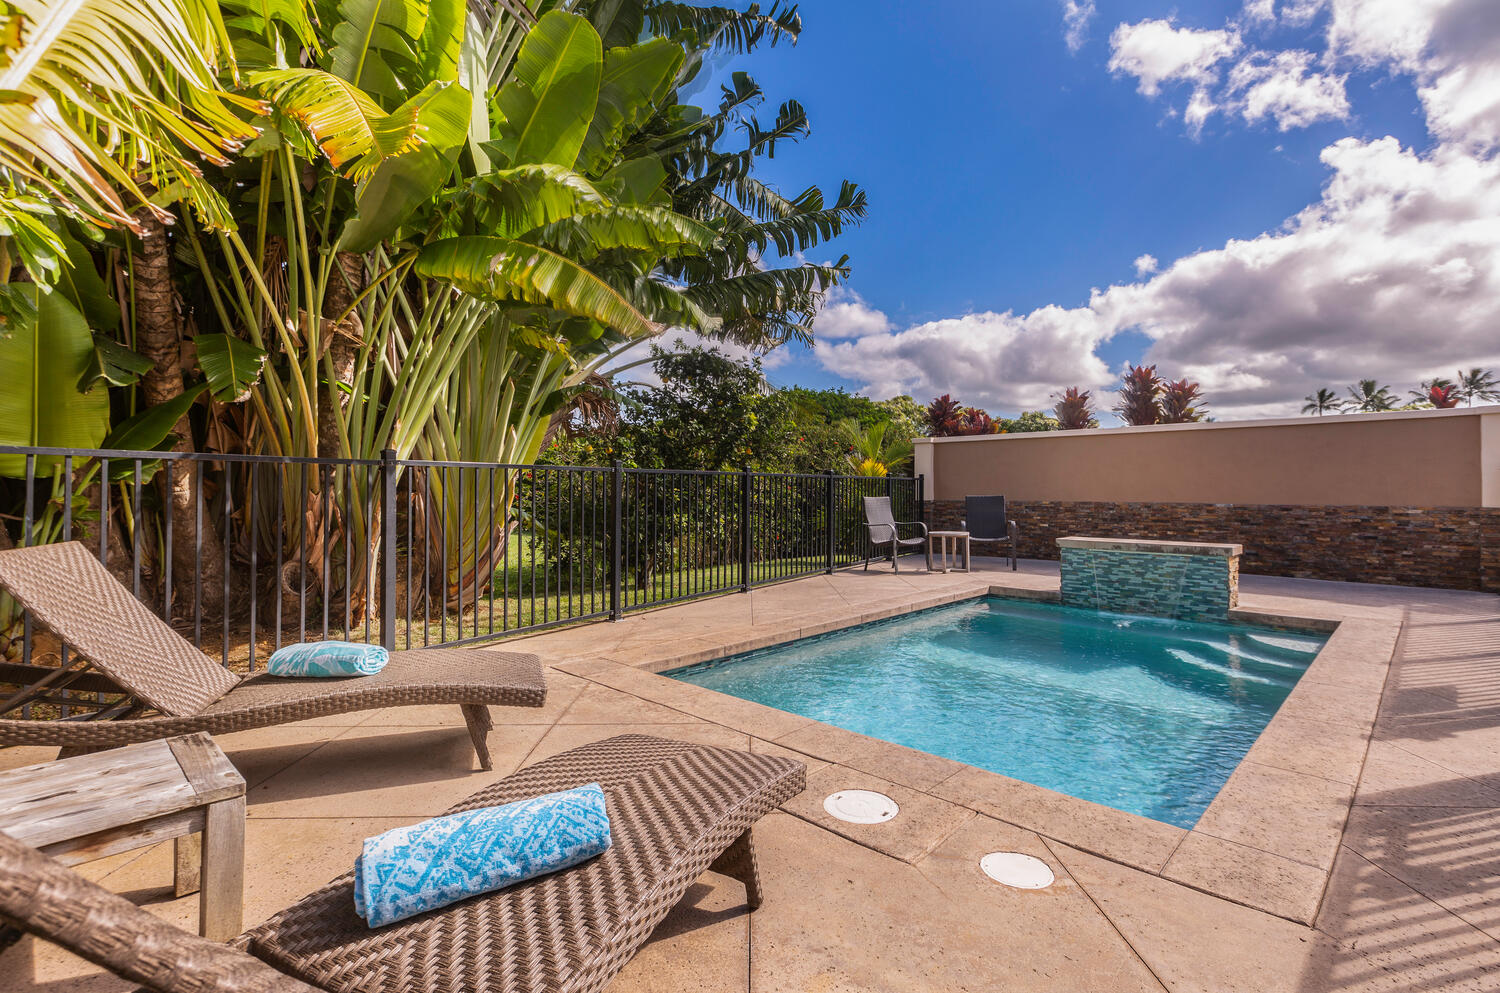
(675, 809)
(181, 690)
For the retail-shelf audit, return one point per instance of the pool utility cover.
(861, 806)
(1024, 872)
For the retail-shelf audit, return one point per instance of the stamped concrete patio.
(1412, 902)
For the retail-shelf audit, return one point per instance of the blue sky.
(1007, 173)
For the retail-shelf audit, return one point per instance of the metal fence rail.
(245, 553)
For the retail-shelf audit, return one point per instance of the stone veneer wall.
(1183, 587)
(1447, 547)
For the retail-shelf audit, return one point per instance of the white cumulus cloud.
(846, 315)
(1156, 52)
(1283, 86)
(1394, 272)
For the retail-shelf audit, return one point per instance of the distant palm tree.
(1368, 396)
(1477, 384)
(1322, 402)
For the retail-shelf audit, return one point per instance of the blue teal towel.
(328, 658)
(415, 869)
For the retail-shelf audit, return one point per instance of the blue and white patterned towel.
(328, 658)
(419, 868)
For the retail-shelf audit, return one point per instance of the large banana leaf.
(113, 364)
(403, 183)
(550, 99)
(657, 230)
(44, 359)
(375, 43)
(635, 82)
(508, 202)
(637, 180)
(79, 281)
(231, 365)
(441, 40)
(505, 270)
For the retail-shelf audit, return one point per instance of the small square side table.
(90, 806)
(948, 543)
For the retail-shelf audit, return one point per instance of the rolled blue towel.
(328, 658)
(412, 870)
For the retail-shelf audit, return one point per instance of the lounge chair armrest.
(895, 532)
(56, 904)
(1013, 530)
(909, 524)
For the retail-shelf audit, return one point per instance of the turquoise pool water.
(1139, 713)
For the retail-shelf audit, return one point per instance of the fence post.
(389, 476)
(616, 540)
(922, 499)
(745, 529)
(828, 529)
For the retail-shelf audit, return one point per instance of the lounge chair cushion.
(673, 808)
(327, 659)
(67, 589)
(410, 870)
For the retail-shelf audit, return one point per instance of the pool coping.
(1267, 840)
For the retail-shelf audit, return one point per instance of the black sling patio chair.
(985, 519)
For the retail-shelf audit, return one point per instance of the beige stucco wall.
(1407, 459)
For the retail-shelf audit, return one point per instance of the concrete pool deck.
(1412, 903)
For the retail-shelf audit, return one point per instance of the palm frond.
(94, 93)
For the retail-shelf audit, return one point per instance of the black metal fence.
(246, 553)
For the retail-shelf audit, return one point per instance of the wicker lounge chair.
(675, 810)
(985, 519)
(885, 530)
(180, 690)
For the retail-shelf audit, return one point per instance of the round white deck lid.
(861, 806)
(1024, 872)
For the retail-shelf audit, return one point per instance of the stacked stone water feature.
(1185, 580)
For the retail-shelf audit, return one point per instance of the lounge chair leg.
(477, 716)
(738, 862)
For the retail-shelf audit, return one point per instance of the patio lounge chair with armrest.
(181, 690)
(675, 809)
(885, 529)
(985, 519)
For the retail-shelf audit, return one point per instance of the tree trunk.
(158, 338)
(345, 338)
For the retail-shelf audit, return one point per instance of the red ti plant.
(945, 417)
(1139, 395)
(1443, 397)
(1182, 402)
(977, 421)
(1074, 410)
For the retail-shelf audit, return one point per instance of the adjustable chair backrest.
(985, 518)
(879, 520)
(70, 591)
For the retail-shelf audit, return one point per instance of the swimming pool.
(1142, 714)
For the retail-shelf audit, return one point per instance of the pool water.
(1143, 714)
